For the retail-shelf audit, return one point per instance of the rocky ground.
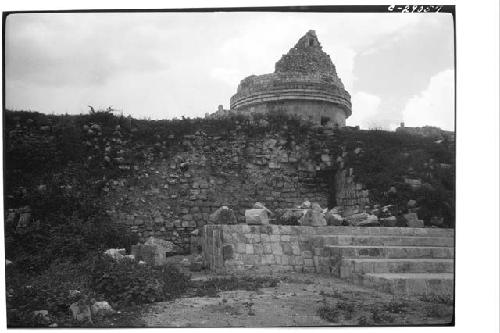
(298, 300)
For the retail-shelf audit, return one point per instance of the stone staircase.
(401, 261)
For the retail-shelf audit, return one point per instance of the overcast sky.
(397, 67)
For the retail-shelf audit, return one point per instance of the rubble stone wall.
(350, 195)
(173, 197)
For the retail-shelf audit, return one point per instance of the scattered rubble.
(223, 215)
(412, 220)
(160, 249)
(256, 216)
(116, 254)
(101, 309)
(81, 311)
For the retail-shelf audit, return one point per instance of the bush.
(126, 282)
(47, 291)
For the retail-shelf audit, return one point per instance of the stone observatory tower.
(304, 83)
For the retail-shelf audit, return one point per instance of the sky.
(397, 67)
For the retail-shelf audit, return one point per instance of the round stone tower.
(304, 83)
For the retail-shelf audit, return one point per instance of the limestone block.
(413, 221)
(313, 218)
(390, 221)
(276, 247)
(267, 248)
(223, 215)
(259, 205)
(162, 248)
(295, 249)
(287, 248)
(256, 216)
(292, 216)
(81, 312)
(241, 247)
(24, 220)
(307, 254)
(258, 249)
(362, 220)
(101, 308)
(437, 221)
(332, 217)
(274, 238)
(285, 238)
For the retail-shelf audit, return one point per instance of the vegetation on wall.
(61, 166)
(384, 160)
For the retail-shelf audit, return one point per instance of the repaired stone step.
(382, 240)
(349, 267)
(408, 283)
(385, 231)
(339, 252)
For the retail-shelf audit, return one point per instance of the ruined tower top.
(307, 57)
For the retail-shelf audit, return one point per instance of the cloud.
(434, 106)
(365, 108)
(164, 65)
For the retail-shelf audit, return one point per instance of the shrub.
(126, 282)
(47, 291)
(329, 313)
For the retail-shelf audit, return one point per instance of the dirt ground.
(296, 301)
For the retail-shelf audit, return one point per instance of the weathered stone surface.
(362, 220)
(101, 309)
(436, 221)
(80, 312)
(305, 83)
(227, 252)
(223, 215)
(116, 254)
(256, 216)
(305, 205)
(42, 316)
(24, 220)
(292, 216)
(332, 217)
(259, 205)
(390, 221)
(313, 217)
(162, 248)
(413, 221)
(414, 183)
(144, 253)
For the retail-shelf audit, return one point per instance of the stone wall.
(173, 197)
(261, 248)
(350, 195)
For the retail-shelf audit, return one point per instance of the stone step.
(407, 283)
(383, 240)
(339, 252)
(349, 267)
(385, 231)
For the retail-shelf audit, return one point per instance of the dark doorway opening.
(325, 120)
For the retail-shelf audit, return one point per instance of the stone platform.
(409, 261)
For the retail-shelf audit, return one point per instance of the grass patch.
(213, 286)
